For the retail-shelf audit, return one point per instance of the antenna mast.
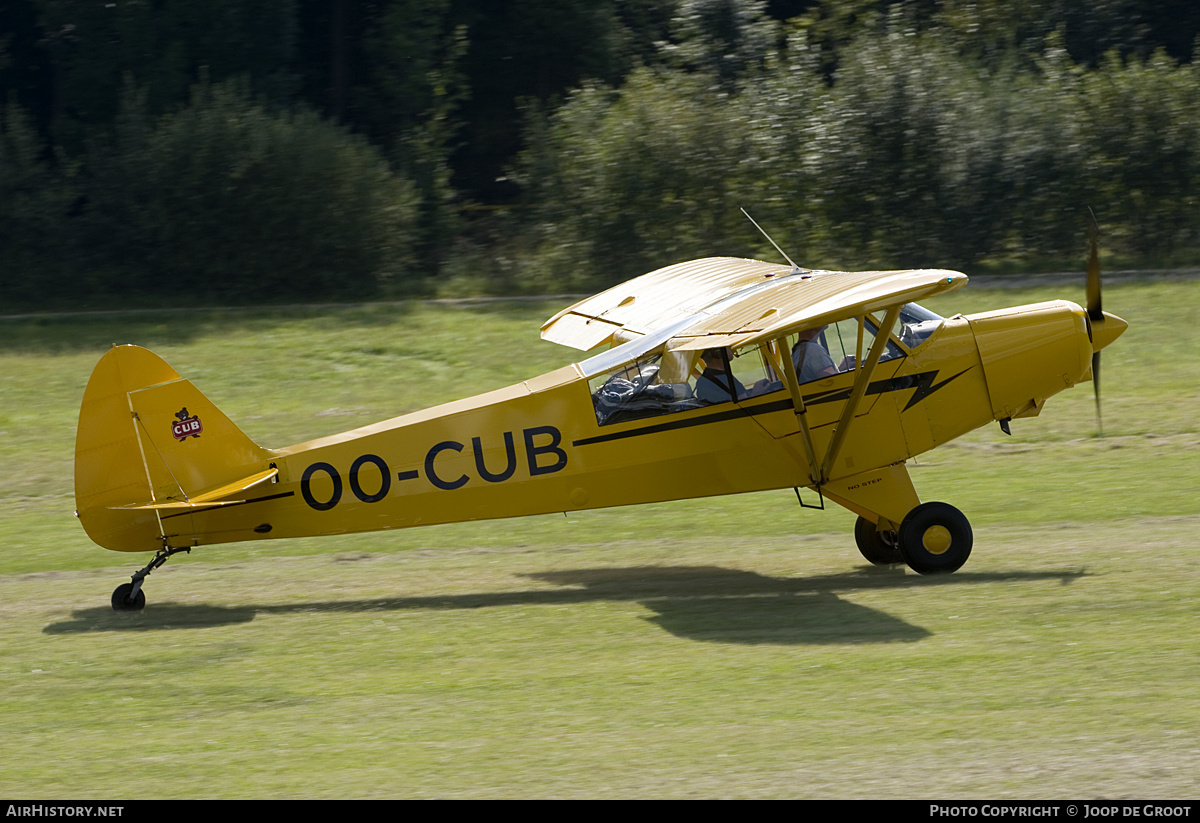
(772, 242)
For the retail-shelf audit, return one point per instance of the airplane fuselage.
(538, 446)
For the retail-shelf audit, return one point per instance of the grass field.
(679, 650)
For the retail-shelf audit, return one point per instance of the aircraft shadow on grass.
(702, 603)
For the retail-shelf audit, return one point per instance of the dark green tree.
(162, 47)
(35, 199)
(230, 202)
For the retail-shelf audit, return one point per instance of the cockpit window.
(642, 389)
(679, 381)
(665, 382)
(839, 347)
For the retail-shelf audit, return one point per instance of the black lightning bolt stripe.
(922, 382)
(727, 412)
(926, 386)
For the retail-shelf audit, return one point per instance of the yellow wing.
(655, 300)
(803, 300)
(735, 302)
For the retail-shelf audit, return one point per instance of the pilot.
(811, 358)
(713, 385)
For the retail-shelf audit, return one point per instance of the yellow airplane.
(717, 376)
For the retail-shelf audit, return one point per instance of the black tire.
(935, 538)
(880, 547)
(121, 601)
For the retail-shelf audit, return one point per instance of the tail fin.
(148, 440)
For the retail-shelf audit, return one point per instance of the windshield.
(916, 324)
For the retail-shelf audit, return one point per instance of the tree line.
(259, 150)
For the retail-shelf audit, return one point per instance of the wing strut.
(788, 368)
(819, 473)
(861, 381)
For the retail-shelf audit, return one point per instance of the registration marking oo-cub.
(543, 455)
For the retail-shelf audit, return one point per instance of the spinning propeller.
(1103, 328)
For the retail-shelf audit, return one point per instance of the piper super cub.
(717, 376)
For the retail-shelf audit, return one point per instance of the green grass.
(621, 653)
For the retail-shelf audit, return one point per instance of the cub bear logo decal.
(186, 426)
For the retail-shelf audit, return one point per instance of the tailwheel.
(129, 597)
(125, 600)
(880, 547)
(935, 538)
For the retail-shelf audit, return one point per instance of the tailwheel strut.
(129, 597)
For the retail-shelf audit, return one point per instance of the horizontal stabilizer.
(216, 497)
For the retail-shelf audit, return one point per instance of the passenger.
(811, 358)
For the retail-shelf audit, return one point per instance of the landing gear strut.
(129, 597)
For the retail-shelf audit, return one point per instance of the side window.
(645, 388)
(746, 372)
(679, 381)
(665, 383)
(829, 350)
(755, 371)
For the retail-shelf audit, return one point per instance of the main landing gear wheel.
(935, 538)
(122, 602)
(880, 547)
